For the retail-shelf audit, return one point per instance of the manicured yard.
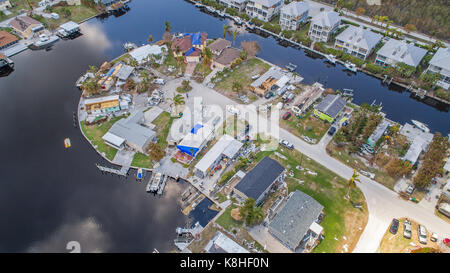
(308, 125)
(226, 221)
(77, 14)
(141, 160)
(95, 133)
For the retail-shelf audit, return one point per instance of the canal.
(50, 195)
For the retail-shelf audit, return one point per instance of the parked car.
(407, 229)
(444, 208)
(332, 130)
(254, 77)
(410, 189)
(394, 226)
(159, 81)
(287, 115)
(422, 234)
(286, 144)
(434, 237)
(268, 95)
(233, 110)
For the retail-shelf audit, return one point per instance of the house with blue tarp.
(190, 46)
(196, 140)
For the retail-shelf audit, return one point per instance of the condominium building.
(263, 9)
(357, 41)
(293, 14)
(323, 25)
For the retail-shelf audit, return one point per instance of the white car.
(286, 144)
(434, 237)
(254, 77)
(422, 234)
(233, 110)
(407, 229)
(159, 81)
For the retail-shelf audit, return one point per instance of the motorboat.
(139, 174)
(330, 58)
(351, 67)
(129, 46)
(45, 41)
(421, 126)
(291, 67)
(67, 143)
(347, 92)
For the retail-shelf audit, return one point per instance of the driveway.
(261, 235)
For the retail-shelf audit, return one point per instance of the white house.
(142, 54)
(293, 14)
(440, 63)
(235, 4)
(323, 25)
(395, 51)
(263, 9)
(357, 41)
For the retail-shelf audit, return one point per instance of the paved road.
(383, 203)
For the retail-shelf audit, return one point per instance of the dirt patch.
(355, 221)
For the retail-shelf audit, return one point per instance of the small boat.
(211, 9)
(291, 67)
(351, 67)
(67, 143)
(421, 126)
(129, 46)
(221, 13)
(44, 41)
(330, 58)
(154, 183)
(237, 20)
(250, 25)
(347, 92)
(139, 173)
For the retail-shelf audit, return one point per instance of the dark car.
(286, 115)
(268, 95)
(394, 226)
(332, 131)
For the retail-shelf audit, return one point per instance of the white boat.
(155, 182)
(350, 66)
(291, 67)
(347, 92)
(129, 46)
(221, 13)
(45, 41)
(421, 126)
(237, 20)
(330, 58)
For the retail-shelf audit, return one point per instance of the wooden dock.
(123, 171)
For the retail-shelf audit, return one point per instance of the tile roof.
(228, 56)
(23, 22)
(6, 38)
(219, 45)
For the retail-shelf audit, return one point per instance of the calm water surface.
(50, 196)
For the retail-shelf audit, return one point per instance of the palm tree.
(226, 30)
(351, 183)
(207, 56)
(375, 19)
(145, 77)
(168, 27)
(178, 99)
(236, 86)
(150, 39)
(235, 33)
(93, 69)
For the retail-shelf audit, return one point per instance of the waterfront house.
(257, 183)
(395, 51)
(378, 132)
(196, 140)
(307, 98)
(130, 132)
(329, 108)
(239, 5)
(226, 148)
(293, 14)
(323, 25)
(102, 105)
(228, 56)
(220, 243)
(418, 139)
(189, 46)
(7, 39)
(25, 26)
(357, 41)
(263, 9)
(265, 83)
(145, 53)
(296, 223)
(4, 5)
(69, 28)
(440, 63)
(218, 46)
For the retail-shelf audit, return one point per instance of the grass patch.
(95, 133)
(141, 160)
(308, 125)
(163, 123)
(226, 221)
(77, 14)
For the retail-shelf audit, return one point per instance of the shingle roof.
(260, 178)
(228, 56)
(293, 221)
(401, 51)
(221, 243)
(331, 105)
(441, 58)
(360, 37)
(267, 3)
(295, 8)
(23, 22)
(219, 45)
(326, 19)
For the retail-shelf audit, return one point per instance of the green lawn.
(308, 125)
(163, 123)
(226, 221)
(95, 133)
(77, 14)
(141, 160)
(341, 218)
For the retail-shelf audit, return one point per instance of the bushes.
(443, 94)
(275, 28)
(373, 68)
(257, 22)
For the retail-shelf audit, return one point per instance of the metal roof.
(70, 26)
(272, 72)
(100, 99)
(441, 58)
(401, 51)
(295, 218)
(357, 36)
(331, 105)
(221, 243)
(217, 150)
(142, 52)
(260, 178)
(295, 8)
(267, 3)
(414, 151)
(326, 19)
(124, 72)
(379, 131)
(113, 139)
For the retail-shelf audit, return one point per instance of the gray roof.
(379, 131)
(401, 51)
(331, 105)
(360, 37)
(221, 243)
(260, 178)
(267, 3)
(124, 72)
(295, 8)
(414, 151)
(326, 19)
(219, 45)
(130, 130)
(441, 58)
(293, 221)
(411, 133)
(272, 72)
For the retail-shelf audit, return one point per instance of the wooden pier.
(123, 171)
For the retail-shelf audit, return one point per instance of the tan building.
(5, 4)
(227, 57)
(102, 104)
(26, 26)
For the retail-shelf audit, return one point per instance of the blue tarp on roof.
(196, 128)
(196, 38)
(188, 150)
(190, 51)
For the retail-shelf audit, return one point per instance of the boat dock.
(123, 171)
